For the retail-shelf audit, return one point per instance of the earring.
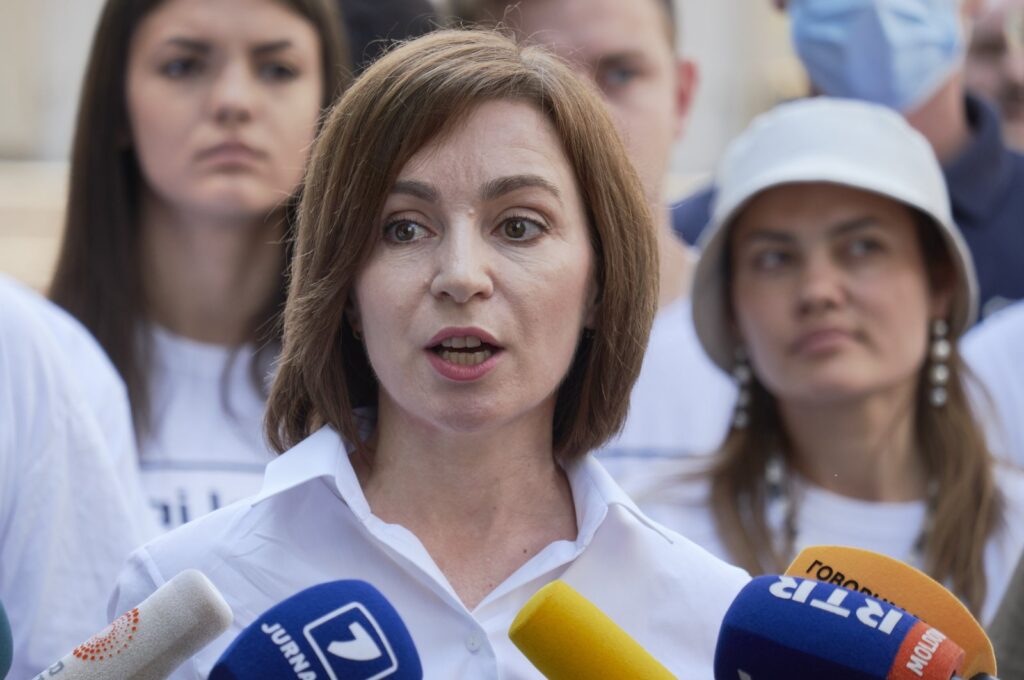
(938, 373)
(742, 374)
(357, 334)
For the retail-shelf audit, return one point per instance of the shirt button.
(473, 643)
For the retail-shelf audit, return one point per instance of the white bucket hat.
(823, 139)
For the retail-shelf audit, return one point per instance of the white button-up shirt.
(311, 524)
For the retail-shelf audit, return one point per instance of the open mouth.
(467, 350)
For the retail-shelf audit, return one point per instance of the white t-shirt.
(666, 492)
(994, 350)
(681, 404)
(205, 448)
(67, 519)
(104, 392)
(311, 524)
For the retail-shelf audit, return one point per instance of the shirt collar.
(980, 174)
(324, 454)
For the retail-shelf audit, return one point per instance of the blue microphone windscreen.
(6, 643)
(781, 626)
(343, 630)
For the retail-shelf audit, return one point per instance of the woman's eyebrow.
(416, 189)
(853, 224)
(190, 44)
(500, 186)
(272, 46)
(766, 234)
(204, 47)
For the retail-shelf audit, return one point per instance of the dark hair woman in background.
(194, 126)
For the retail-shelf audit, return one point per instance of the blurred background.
(741, 48)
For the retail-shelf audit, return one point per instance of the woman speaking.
(472, 290)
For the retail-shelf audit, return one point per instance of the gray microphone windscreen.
(150, 641)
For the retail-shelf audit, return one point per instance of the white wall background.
(746, 66)
(741, 47)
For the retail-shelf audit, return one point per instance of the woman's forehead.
(495, 139)
(815, 206)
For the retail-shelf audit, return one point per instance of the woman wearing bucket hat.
(834, 286)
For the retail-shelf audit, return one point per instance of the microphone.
(6, 643)
(149, 642)
(1007, 627)
(787, 627)
(341, 630)
(566, 637)
(884, 578)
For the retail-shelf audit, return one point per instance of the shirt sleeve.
(65, 526)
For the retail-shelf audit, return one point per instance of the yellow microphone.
(884, 578)
(566, 637)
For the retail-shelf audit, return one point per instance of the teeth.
(462, 342)
(467, 358)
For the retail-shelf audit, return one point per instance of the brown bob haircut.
(98, 277)
(416, 94)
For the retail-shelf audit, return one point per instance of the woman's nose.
(463, 271)
(232, 94)
(822, 286)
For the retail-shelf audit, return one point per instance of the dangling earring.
(938, 373)
(742, 374)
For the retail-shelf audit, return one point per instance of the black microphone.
(6, 643)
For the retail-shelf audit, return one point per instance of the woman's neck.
(862, 449)
(943, 120)
(208, 278)
(676, 263)
(482, 504)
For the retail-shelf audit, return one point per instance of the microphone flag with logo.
(150, 641)
(786, 627)
(886, 579)
(342, 630)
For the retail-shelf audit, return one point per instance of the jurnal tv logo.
(350, 644)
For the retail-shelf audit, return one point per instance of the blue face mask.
(892, 52)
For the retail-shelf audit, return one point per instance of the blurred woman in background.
(833, 285)
(194, 127)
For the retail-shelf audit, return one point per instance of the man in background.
(681, 403)
(909, 55)
(995, 63)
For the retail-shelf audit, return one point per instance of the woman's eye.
(405, 231)
(182, 68)
(864, 246)
(618, 77)
(277, 72)
(521, 229)
(770, 260)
